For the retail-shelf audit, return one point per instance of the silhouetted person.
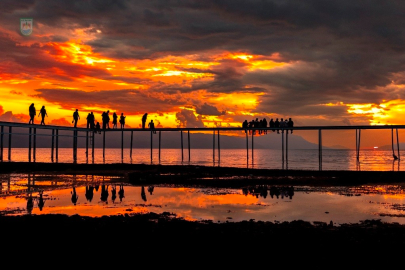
(277, 124)
(151, 125)
(115, 120)
(41, 201)
(150, 189)
(43, 113)
(122, 120)
(264, 124)
(90, 120)
(271, 124)
(76, 117)
(104, 193)
(121, 192)
(89, 193)
(290, 124)
(32, 113)
(143, 194)
(245, 125)
(144, 117)
(74, 196)
(106, 119)
(98, 128)
(113, 193)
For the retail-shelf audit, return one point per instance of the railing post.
(188, 143)
(253, 132)
(282, 146)
(57, 145)
(247, 147)
(122, 145)
(213, 146)
(219, 149)
(29, 144)
(9, 142)
(181, 143)
(286, 147)
(1, 143)
(132, 139)
(398, 145)
(104, 145)
(92, 145)
(52, 143)
(160, 137)
(151, 144)
(87, 144)
(35, 144)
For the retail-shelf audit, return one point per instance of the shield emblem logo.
(26, 25)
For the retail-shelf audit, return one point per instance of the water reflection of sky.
(276, 204)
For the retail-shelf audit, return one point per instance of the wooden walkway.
(30, 130)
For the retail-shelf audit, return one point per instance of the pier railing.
(6, 129)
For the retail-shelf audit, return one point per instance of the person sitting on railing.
(245, 125)
(290, 124)
(97, 128)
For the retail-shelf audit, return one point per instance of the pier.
(30, 133)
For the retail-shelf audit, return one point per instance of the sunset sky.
(206, 63)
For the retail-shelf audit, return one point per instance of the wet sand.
(166, 228)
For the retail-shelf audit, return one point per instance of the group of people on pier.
(262, 123)
(91, 120)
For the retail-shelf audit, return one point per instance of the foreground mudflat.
(165, 229)
(153, 228)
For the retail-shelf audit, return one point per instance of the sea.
(310, 159)
(96, 196)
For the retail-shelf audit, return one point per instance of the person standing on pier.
(107, 119)
(115, 120)
(43, 113)
(76, 117)
(152, 126)
(144, 120)
(122, 120)
(32, 112)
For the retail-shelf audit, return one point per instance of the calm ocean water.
(91, 195)
(369, 160)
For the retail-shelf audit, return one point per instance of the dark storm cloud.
(340, 51)
(206, 109)
(128, 101)
(186, 118)
(34, 60)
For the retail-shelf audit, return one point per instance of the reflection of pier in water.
(74, 134)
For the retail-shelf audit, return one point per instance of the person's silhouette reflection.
(41, 201)
(30, 203)
(104, 193)
(143, 194)
(113, 193)
(121, 192)
(74, 196)
(89, 193)
(150, 189)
